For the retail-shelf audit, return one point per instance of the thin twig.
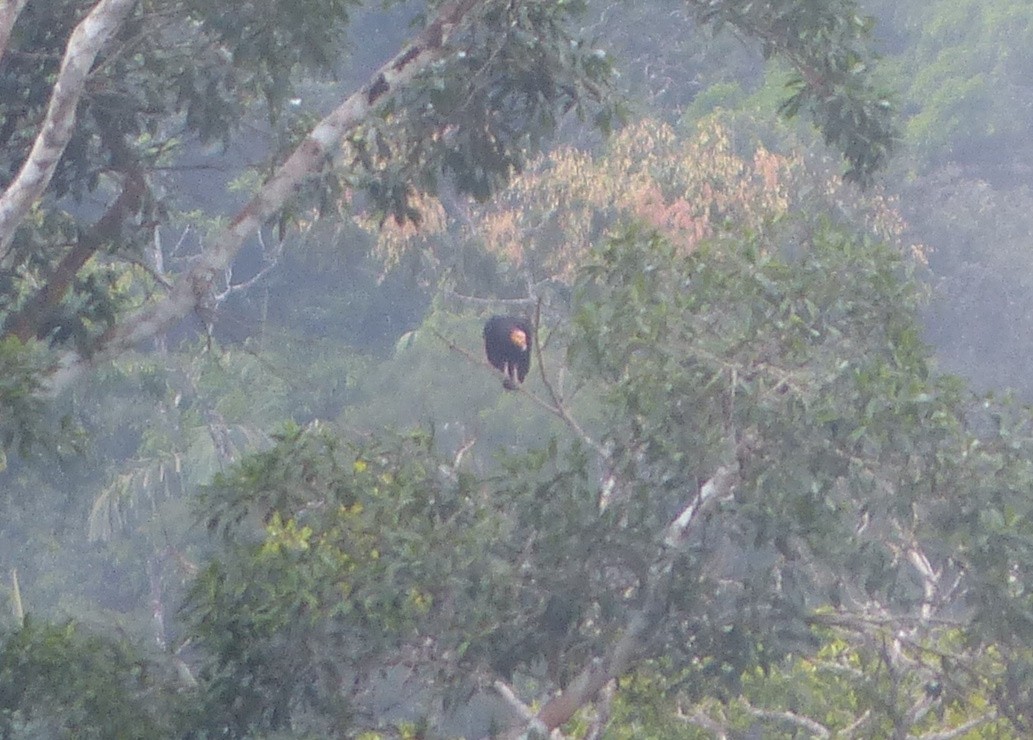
(557, 410)
(474, 300)
(557, 407)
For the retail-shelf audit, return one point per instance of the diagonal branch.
(9, 11)
(631, 646)
(310, 157)
(810, 726)
(557, 410)
(30, 319)
(85, 43)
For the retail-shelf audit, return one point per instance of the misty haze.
(508, 368)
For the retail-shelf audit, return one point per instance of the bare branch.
(719, 486)
(557, 403)
(857, 725)
(558, 410)
(461, 452)
(701, 720)
(271, 260)
(9, 10)
(17, 609)
(451, 472)
(816, 729)
(314, 154)
(522, 710)
(930, 578)
(474, 300)
(963, 729)
(86, 41)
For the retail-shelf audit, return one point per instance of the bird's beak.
(519, 339)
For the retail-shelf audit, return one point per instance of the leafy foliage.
(339, 554)
(969, 87)
(843, 688)
(870, 572)
(60, 681)
(343, 555)
(20, 375)
(688, 183)
(193, 58)
(473, 119)
(834, 83)
(781, 379)
(867, 486)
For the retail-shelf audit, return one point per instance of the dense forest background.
(771, 474)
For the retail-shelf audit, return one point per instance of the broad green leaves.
(339, 556)
(827, 46)
(473, 119)
(810, 383)
(62, 681)
(873, 495)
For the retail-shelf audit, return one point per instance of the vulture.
(507, 342)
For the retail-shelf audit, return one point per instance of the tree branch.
(86, 41)
(522, 710)
(963, 729)
(813, 728)
(630, 646)
(9, 11)
(719, 486)
(557, 403)
(557, 410)
(314, 153)
(699, 719)
(31, 318)
(271, 259)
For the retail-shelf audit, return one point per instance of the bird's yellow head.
(519, 339)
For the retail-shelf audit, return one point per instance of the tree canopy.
(463, 99)
(260, 480)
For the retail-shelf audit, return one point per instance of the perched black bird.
(507, 342)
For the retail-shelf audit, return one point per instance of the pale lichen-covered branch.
(310, 157)
(86, 42)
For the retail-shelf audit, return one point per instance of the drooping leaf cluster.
(828, 47)
(473, 119)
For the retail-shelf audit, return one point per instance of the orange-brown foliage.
(688, 188)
